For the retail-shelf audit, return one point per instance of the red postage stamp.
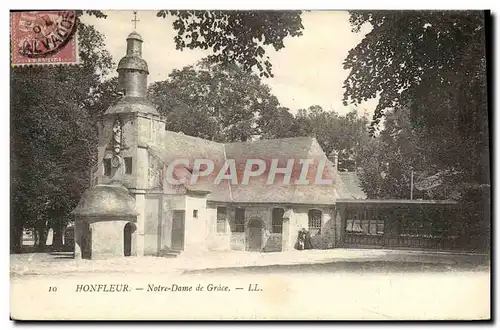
(44, 37)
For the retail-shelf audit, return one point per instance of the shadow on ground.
(350, 266)
(28, 249)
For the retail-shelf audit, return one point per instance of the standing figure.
(307, 240)
(300, 240)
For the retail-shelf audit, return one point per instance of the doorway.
(128, 230)
(178, 230)
(86, 241)
(254, 234)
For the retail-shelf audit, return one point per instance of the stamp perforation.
(66, 53)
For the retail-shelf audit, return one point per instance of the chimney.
(334, 157)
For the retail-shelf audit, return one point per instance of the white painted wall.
(195, 231)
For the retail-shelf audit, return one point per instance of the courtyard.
(338, 284)
(333, 260)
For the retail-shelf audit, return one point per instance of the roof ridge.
(278, 139)
(193, 137)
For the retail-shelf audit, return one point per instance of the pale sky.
(307, 71)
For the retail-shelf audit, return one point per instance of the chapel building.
(132, 209)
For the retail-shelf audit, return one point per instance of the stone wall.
(195, 231)
(152, 224)
(216, 241)
(231, 240)
(328, 236)
(273, 243)
(238, 241)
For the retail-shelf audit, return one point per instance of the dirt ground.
(336, 259)
(316, 284)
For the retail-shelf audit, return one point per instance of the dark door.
(178, 230)
(127, 239)
(255, 235)
(86, 241)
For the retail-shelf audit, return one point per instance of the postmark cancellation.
(44, 37)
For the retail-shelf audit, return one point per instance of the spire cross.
(135, 20)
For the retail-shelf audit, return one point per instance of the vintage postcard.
(249, 165)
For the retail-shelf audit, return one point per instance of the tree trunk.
(57, 240)
(16, 239)
(16, 231)
(41, 229)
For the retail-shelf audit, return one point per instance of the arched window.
(278, 220)
(315, 222)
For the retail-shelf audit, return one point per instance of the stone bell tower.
(126, 129)
(129, 124)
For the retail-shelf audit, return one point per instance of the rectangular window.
(356, 226)
(277, 220)
(348, 225)
(315, 217)
(380, 227)
(107, 166)
(365, 226)
(221, 219)
(128, 165)
(239, 221)
(195, 214)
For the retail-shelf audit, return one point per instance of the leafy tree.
(434, 63)
(387, 162)
(53, 138)
(214, 101)
(225, 103)
(277, 123)
(236, 36)
(240, 37)
(345, 134)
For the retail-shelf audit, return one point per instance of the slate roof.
(350, 187)
(257, 190)
(176, 146)
(179, 146)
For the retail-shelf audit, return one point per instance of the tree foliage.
(434, 63)
(388, 161)
(277, 123)
(236, 36)
(53, 137)
(214, 101)
(225, 103)
(346, 134)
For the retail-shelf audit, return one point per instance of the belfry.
(109, 220)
